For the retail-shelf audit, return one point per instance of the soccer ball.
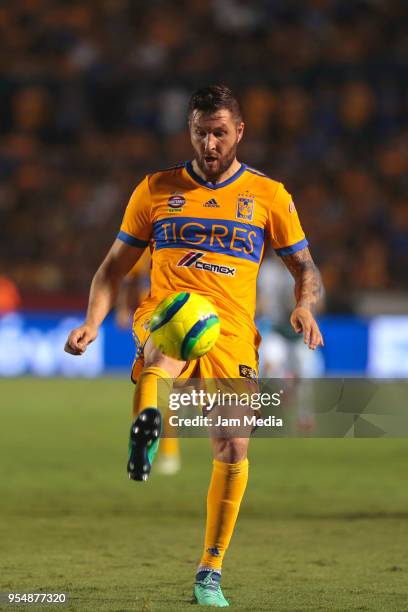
(185, 326)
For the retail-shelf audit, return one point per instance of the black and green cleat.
(207, 590)
(143, 443)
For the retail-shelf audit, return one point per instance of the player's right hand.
(79, 339)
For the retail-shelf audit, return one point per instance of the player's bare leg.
(154, 380)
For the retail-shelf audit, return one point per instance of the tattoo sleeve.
(308, 284)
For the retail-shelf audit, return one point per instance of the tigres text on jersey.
(210, 239)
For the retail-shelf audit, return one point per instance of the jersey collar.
(189, 167)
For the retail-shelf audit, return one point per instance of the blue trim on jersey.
(293, 248)
(135, 242)
(232, 238)
(257, 172)
(200, 181)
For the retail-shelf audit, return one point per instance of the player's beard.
(216, 169)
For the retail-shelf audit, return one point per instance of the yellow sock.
(169, 446)
(152, 390)
(226, 490)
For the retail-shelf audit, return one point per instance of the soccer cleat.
(143, 443)
(207, 590)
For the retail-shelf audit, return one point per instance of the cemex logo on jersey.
(192, 259)
(211, 203)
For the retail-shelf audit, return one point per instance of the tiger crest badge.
(245, 206)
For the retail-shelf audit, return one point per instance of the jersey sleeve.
(136, 228)
(286, 233)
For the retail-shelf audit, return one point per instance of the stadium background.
(93, 96)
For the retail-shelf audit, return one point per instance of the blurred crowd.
(93, 95)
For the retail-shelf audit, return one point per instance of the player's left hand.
(303, 321)
(80, 338)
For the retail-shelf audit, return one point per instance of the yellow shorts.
(230, 357)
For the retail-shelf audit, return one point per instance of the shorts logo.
(292, 206)
(245, 206)
(192, 259)
(176, 202)
(247, 372)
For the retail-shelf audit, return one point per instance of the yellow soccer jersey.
(210, 239)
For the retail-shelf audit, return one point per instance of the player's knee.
(230, 450)
(153, 357)
(171, 366)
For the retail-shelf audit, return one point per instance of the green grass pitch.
(323, 526)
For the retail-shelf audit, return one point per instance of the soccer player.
(206, 222)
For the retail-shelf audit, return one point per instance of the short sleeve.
(136, 228)
(286, 233)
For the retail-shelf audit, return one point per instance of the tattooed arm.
(308, 288)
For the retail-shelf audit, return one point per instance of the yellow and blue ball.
(185, 326)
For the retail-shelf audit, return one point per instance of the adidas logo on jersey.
(211, 203)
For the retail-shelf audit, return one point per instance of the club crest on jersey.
(176, 202)
(245, 206)
(292, 207)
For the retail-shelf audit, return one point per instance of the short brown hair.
(212, 98)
